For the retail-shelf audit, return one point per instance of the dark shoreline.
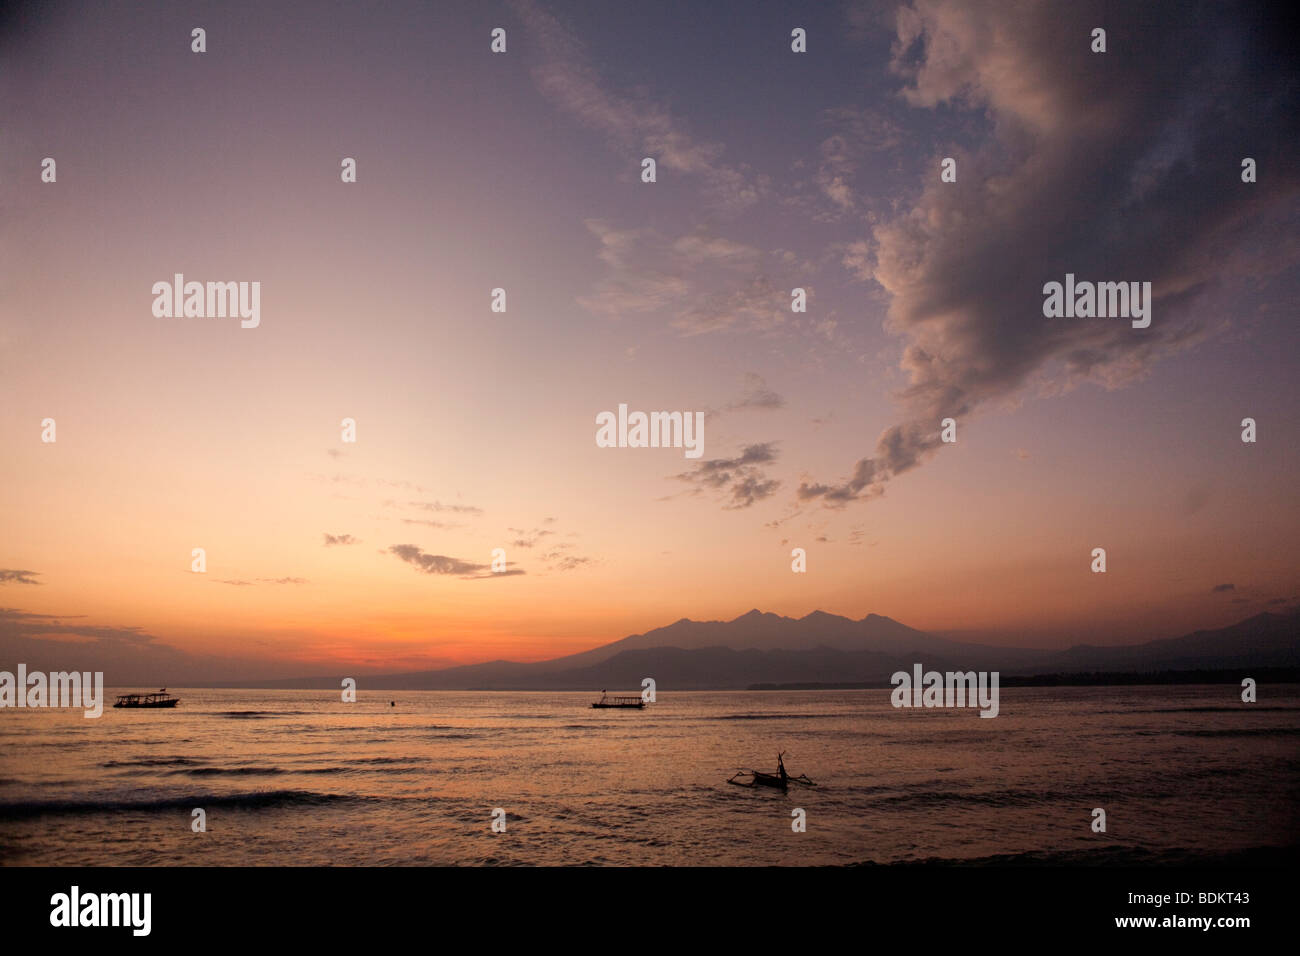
(1272, 675)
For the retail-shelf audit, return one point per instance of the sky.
(475, 429)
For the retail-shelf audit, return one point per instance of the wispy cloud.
(756, 305)
(757, 395)
(442, 564)
(560, 558)
(739, 481)
(245, 584)
(335, 539)
(528, 539)
(632, 122)
(858, 133)
(698, 282)
(570, 562)
(14, 576)
(439, 506)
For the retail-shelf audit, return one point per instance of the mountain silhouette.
(760, 647)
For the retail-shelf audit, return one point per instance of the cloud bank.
(1112, 166)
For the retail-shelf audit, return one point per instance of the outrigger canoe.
(779, 780)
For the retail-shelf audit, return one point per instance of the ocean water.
(300, 778)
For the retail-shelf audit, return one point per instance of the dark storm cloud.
(1111, 166)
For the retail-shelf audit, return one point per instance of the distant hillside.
(1263, 640)
(821, 648)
